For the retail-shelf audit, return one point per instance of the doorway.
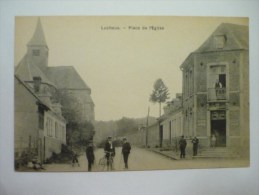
(161, 135)
(218, 127)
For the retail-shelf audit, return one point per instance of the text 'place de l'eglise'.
(214, 100)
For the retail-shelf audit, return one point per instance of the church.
(64, 78)
(40, 127)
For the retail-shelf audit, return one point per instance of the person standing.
(195, 142)
(213, 141)
(109, 150)
(218, 86)
(126, 147)
(182, 144)
(90, 155)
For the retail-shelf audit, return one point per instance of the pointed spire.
(38, 38)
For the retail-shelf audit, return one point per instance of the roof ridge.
(60, 74)
(63, 66)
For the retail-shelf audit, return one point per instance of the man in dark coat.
(182, 144)
(195, 144)
(109, 149)
(90, 155)
(126, 151)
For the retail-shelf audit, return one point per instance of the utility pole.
(147, 128)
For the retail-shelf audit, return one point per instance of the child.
(75, 158)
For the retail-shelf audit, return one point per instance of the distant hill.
(120, 127)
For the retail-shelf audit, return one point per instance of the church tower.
(37, 49)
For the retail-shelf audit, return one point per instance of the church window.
(35, 52)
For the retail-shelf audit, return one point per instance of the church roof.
(236, 38)
(66, 77)
(26, 71)
(38, 37)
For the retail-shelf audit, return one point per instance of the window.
(47, 127)
(35, 52)
(41, 121)
(220, 41)
(56, 129)
(63, 133)
(217, 73)
(51, 128)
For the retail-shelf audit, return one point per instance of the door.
(161, 135)
(218, 127)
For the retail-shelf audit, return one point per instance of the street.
(141, 159)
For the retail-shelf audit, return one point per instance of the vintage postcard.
(130, 93)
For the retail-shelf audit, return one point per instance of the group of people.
(183, 144)
(110, 152)
(195, 142)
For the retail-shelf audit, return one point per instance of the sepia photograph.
(130, 93)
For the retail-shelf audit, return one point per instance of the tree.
(79, 131)
(71, 109)
(125, 126)
(159, 94)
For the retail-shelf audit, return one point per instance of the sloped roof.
(39, 99)
(27, 71)
(31, 92)
(38, 37)
(66, 77)
(236, 38)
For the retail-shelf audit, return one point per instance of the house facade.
(36, 125)
(171, 123)
(216, 89)
(215, 95)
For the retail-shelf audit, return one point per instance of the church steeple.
(38, 38)
(37, 48)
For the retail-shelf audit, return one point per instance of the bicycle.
(107, 161)
(109, 156)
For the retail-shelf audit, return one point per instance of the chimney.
(57, 108)
(36, 84)
(179, 95)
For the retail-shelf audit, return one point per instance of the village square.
(206, 125)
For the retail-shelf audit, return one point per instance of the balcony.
(216, 94)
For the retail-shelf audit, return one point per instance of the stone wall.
(26, 119)
(52, 145)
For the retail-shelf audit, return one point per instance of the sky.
(121, 65)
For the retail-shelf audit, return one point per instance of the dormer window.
(220, 41)
(35, 52)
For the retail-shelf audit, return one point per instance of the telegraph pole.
(147, 128)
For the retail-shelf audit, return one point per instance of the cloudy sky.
(120, 66)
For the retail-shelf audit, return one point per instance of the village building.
(171, 123)
(216, 89)
(214, 99)
(40, 129)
